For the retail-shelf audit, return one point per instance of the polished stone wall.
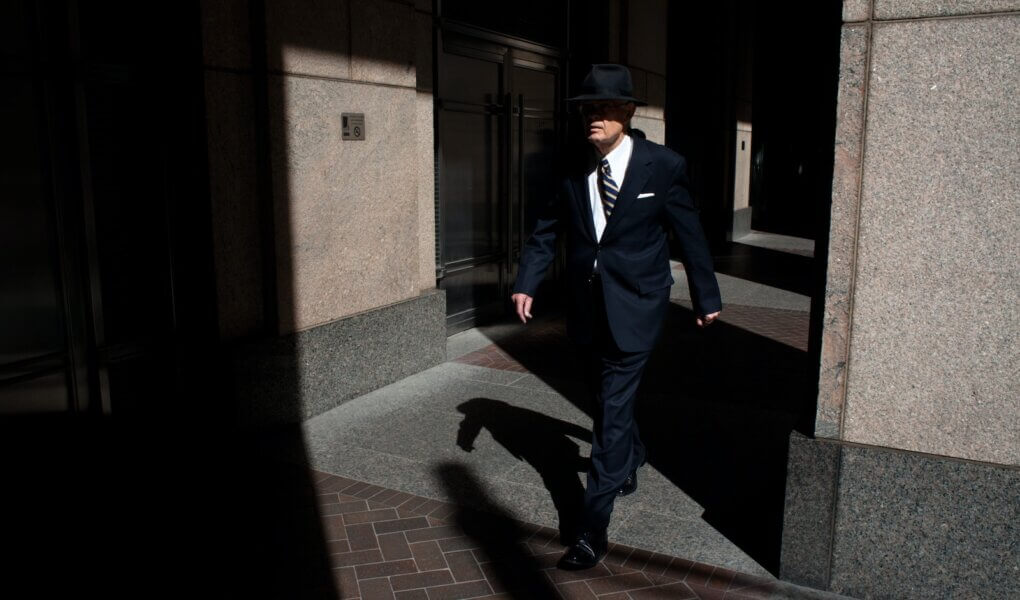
(425, 151)
(346, 212)
(871, 522)
(350, 222)
(911, 484)
(644, 51)
(933, 353)
(230, 131)
(324, 248)
(919, 347)
(293, 377)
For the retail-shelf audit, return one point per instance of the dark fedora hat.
(607, 82)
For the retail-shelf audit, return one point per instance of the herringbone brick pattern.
(492, 357)
(391, 545)
(788, 327)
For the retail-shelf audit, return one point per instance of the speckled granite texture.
(298, 376)
(225, 34)
(933, 351)
(346, 212)
(913, 524)
(905, 9)
(310, 38)
(812, 468)
(856, 10)
(383, 42)
(238, 256)
(906, 525)
(846, 178)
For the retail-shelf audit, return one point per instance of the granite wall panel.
(297, 376)
(654, 129)
(646, 35)
(907, 9)
(423, 51)
(346, 212)
(871, 522)
(308, 37)
(843, 228)
(226, 41)
(652, 91)
(933, 357)
(236, 228)
(811, 475)
(916, 526)
(856, 10)
(426, 193)
(383, 38)
(639, 77)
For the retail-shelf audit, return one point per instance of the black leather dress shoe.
(629, 484)
(589, 548)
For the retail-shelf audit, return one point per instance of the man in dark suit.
(615, 217)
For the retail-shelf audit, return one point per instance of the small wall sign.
(352, 126)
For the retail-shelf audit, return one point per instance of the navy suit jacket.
(633, 255)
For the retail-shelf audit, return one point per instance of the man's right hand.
(523, 304)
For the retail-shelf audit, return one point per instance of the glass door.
(497, 134)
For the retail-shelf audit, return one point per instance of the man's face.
(606, 121)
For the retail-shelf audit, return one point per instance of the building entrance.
(497, 133)
(102, 212)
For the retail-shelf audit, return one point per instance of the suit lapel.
(579, 186)
(638, 173)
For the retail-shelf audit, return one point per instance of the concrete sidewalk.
(506, 417)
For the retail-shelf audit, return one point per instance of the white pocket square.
(646, 195)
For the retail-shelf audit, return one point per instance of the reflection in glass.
(538, 88)
(469, 181)
(29, 308)
(470, 80)
(38, 395)
(130, 213)
(538, 165)
(472, 289)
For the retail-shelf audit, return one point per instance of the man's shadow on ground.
(541, 441)
(715, 410)
(510, 566)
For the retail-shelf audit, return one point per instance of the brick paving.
(493, 357)
(387, 544)
(788, 327)
(394, 545)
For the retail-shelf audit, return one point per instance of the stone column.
(645, 56)
(911, 486)
(349, 235)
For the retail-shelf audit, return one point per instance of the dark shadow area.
(500, 537)
(152, 480)
(773, 268)
(158, 482)
(716, 409)
(143, 484)
(128, 509)
(541, 441)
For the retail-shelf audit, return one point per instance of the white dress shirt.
(619, 158)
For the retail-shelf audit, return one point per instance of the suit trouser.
(616, 448)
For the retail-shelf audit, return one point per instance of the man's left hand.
(706, 320)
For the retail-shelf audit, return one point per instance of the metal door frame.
(508, 52)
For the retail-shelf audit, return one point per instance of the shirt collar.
(620, 156)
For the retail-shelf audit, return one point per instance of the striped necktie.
(609, 188)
